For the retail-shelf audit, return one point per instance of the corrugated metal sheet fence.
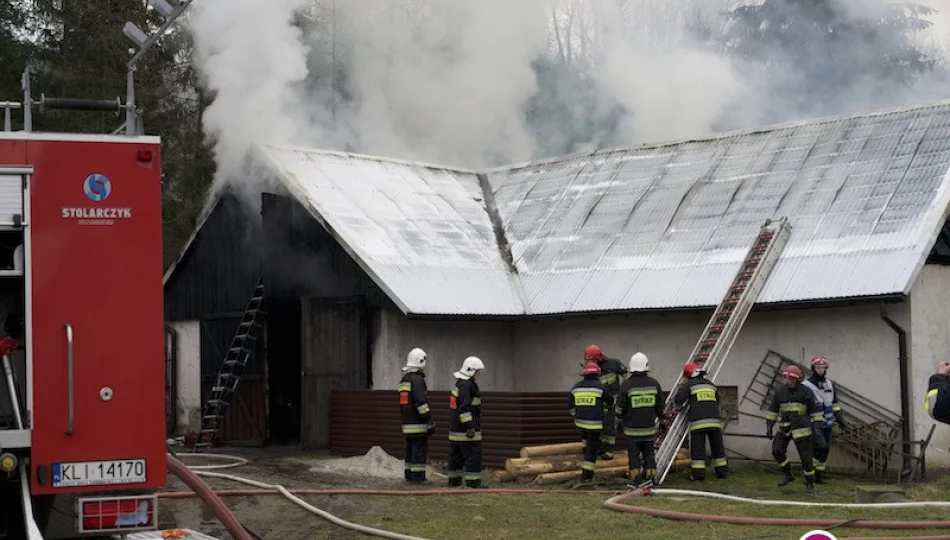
(361, 419)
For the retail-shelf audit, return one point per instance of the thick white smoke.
(447, 84)
(251, 57)
(457, 82)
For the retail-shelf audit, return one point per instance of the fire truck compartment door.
(11, 200)
(97, 319)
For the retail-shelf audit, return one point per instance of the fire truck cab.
(82, 404)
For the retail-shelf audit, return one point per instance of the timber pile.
(556, 463)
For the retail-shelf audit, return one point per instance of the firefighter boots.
(787, 477)
(809, 486)
(819, 477)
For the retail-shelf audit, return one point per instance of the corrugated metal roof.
(420, 231)
(667, 226)
(660, 226)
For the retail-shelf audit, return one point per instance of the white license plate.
(93, 473)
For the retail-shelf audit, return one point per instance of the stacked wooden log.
(556, 463)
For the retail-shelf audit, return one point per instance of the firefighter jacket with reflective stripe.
(588, 402)
(827, 398)
(703, 398)
(465, 411)
(611, 374)
(795, 410)
(937, 403)
(414, 404)
(639, 404)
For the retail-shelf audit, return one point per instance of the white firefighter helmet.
(415, 360)
(469, 367)
(639, 362)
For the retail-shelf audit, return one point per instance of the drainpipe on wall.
(905, 386)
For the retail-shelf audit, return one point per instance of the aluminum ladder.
(225, 386)
(720, 334)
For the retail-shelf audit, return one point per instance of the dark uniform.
(799, 416)
(937, 403)
(612, 372)
(638, 407)
(704, 422)
(589, 402)
(465, 435)
(416, 423)
(827, 397)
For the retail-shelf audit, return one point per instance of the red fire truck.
(82, 410)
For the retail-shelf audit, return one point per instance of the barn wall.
(447, 344)
(861, 348)
(930, 344)
(187, 376)
(222, 266)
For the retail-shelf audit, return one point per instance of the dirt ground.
(273, 516)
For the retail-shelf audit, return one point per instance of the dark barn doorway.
(283, 370)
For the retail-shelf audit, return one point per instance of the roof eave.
(817, 303)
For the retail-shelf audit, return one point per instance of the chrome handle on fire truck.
(69, 368)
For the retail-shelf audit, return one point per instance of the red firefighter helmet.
(819, 361)
(689, 369)
(593, 352)
(792, 372)
(590, 368)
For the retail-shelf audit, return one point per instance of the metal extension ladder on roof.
(241, 349)
(720, 334)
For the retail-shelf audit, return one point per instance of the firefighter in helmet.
(465, 421)
(417, 424)
(638, 408)
(799, 417)
(827, 398)
(704, 421)
(612, 372)
(589, 402)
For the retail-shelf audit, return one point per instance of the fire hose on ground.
(615, 503)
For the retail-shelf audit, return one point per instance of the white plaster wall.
(861, 348)
(447, 344)
(930, 297)
(188, 376)
(545, 355)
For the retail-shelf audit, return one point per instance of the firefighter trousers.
(591, 438)
(821, 451)
(417, 455)
(805, 452)
(465, 463)
(608, 437)
(634, 448)
(697, 452)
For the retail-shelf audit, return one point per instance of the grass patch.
(498, 516)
